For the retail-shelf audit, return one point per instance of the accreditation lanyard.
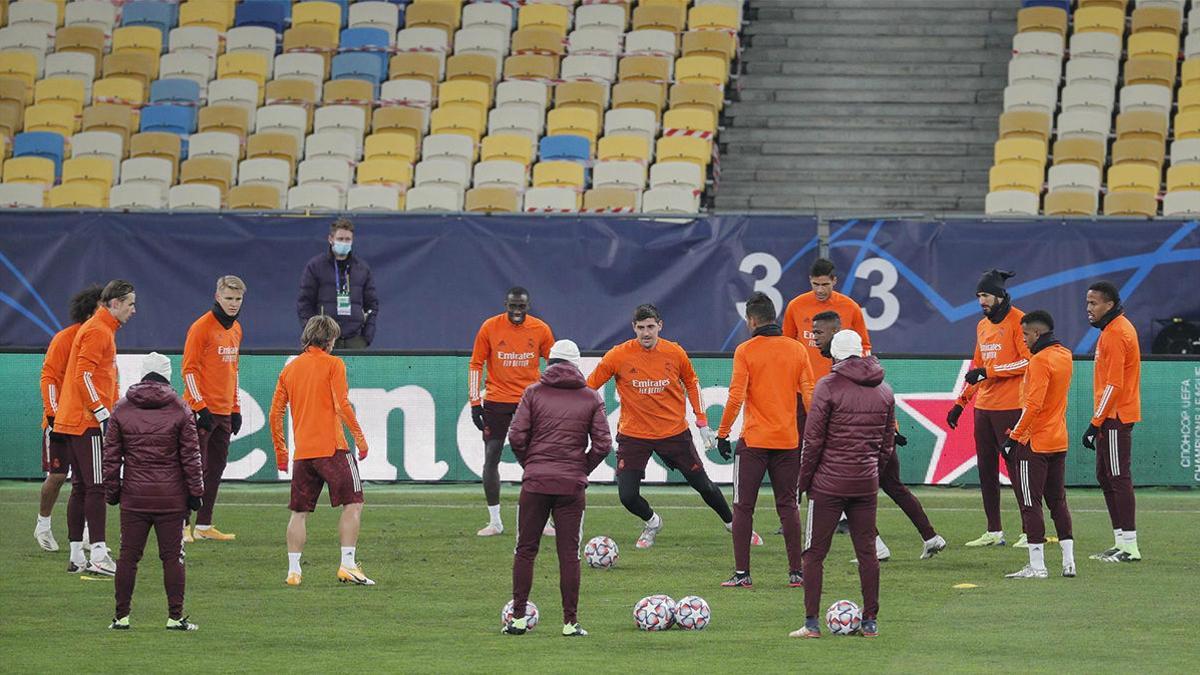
(343, 290)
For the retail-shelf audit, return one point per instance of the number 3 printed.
(881, 290)
(772, 272)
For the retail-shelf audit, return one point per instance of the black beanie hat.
(992, 282)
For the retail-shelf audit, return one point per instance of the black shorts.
(496, 418)
(339, 471)
(677, 452)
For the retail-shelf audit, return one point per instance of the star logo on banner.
(953, 449)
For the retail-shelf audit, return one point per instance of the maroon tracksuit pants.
(135, 530)
(1042, 475)
(889, 482)
(214, 451)
(749, 467)
(533, 510)
(824, 511)
(86, 503)
(1114, 447)
(991, 433)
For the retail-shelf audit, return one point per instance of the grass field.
(440, 588)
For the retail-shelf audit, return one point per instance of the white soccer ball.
(601, 552)
(692, 613)
(843, 618)
(654, 612)
(531, 614)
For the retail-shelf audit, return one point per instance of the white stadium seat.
(373, 198)
(194, 196)
(22, 195)
(314, 196)
(1011, 203)
(136, 196)
(433, 198)
(670, 199)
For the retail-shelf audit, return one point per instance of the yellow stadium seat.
(122, 90)
(530, 66)
(326, 15)
(644, 69)
(1187, 125)
(55, 117)
(118, 119)
(385, 171)
(15, 91)
(444, 15)
(1139, 151)
(659, 17)
(1153, 44)
(1025, 151)
(215, 171)
(76, 195)
(138, 39)
(233, 119)
(552, 17)
(414, 66)
(1133, 178)
(702, 69)
(246, 65)
(1142, 204)
(1183, 177)
(713, 17)
(312, 37)
(11, 118)
(84, 39)
(577, 121)
(710, 43)
(349, 92)
(160, 144)
(1014, 177)
(695, 120)
(589, 95)
(1115, 4)
(512, 147)
(1025, 124)
(207, 13)
(1044, 19)
(274, 145)
(1156, 20)
(20, 65)
(458, 118)
(477, 67)
(400, 120)
(492, 200)
(1150, 70)
(390, 146)
(469, 92)
(541, 40)
(1099, 19)
(683, 149)
(29, 170)
(639, 95)
(1069, 203)
(626, 147)
(132, 64)
(67, 91)
(1189, 98)
(1142, 124)
(1190, 72)
(95, 170)
(690, 95)
(558, 173)
(610, 199)
(254, 197)
(1080, 150)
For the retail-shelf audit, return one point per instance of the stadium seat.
(216, 144)
(236, 92)
(513, 147)
(433, 198)
(78, 65)
(594, 41)
(1023, 151)
(215, 171)
(1098, 19)
(252, 39)
(1074, 177)
(380, 15)
(416, 66)
(448, 146)
(1150, 70)
(332, 172)
(46, 144)
(254, 197)
(325, 15)
(610, 17)
(312, 39)
(373, 197)
(1156, 19)
(697, 96)
(136, 196)
(573, 121)
(21, 66)
(457, 119)
(84, 40)
(1025, 124)
(1175, 204)
(1185, 151)
(1188, 98)
(468, 92)
(432, 41)
(77, 195)
(198, 14)
(248, 65)
(398, 119)
(162, 16)
(96, 171)
(670, 200)
(359, 66)
(283, 118)
(143, 40)
(1071, 203)
(683, 148)
(1037, 97)
(493, 15)
(29, 169)
(1050, 43)
(1153, 44)
(552, 17)
(187, 65)
(713, 18)
(610, 200)
(1184, 177)
(1139, 204)
(262, 170)
(148, 171)
(624, 148)
(493, 200)
(1146, 97)
(1080, 150)
(1006, 203)
(659, 17)
(384, 171)
(538, 41)
(501, 173)
(176, 119)
(272, 145)
(440, 15)
(445, 172)
(1095, 44)
(516, 119)
(99, 14)
(265, 14)
(177, 91)
(530, 66)
(161, 145)
(551, 200)
(558, 173)
(1142, 124)
(234, 119)
(65, 91)
(1014, 177)
(1133, 178)
(368, 40)
(475, 67)
(348, 118)
(22, 196)
(98, 144)
(628, 175)
(650, 42)
(315, 197)
(1092, 70)
(1047, 19)
(589, 68)
(568, 146)
(194, 197)
(656, 69)
(716, 44)
(358, 93)
(1083, 123)
(677, 174)
(1094, 97)
(109, 117)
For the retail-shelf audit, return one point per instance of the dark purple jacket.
(851, 426)
(318, 291)
(152, 434)
(550, 430)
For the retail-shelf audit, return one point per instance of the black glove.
(901, 439)
(952, 416)
(1008, 447)
(477, 416)
(976, 375)
(1089, 437)
(724, 448)
(235, 423)
(194, 503)
(114, 497)
(54, 435)
(204, 419)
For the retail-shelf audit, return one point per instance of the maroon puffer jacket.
(153, 435)
(851, 427)
(550, 430)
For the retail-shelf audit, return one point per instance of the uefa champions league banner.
(416, 419)
(438, 277)
(916, 279)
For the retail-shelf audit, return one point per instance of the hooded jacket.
(152, 434)
(850, 431)
(319, 291)
(550, 431)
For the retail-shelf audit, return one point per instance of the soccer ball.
(531, 614)
(843, 618)
(692, 613)
(654, 612)
(601, 552)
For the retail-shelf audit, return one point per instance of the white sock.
(77, 553)
(729, 526)
(43, 522)
(997, 533)
(204, 528)
(1068, 551)
(293, 562)
(348, 557)
(1130, 537)
(494, 514)
(1117, 537)
(655, 521)
(1037, 556)
(99, 550)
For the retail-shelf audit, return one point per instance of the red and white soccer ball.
(531, 614)
(692, 613)
(654, 612)
(601, 552)
(843, 618)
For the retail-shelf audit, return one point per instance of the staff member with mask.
(339, 284)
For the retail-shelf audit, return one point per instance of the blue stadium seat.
(565, 146)
(1064, 5)
(174, 119)
(162, 15)
(269, 14)
(41, 144)
(175, 90)
(285, 4)
(359, 66)
(364, 39)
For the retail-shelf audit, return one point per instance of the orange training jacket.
(54, 368)
(1044, 388)
(797, 324)
(651, 384)
(314, 385)
(1117, 378)
(768, 372)
(90, 381)
(210, 365)
(999, 347)
(511, 354)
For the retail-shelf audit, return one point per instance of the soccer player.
(804, 308)
(1116, 384)
(509, 345)
(210, 378)
(994, 382)
(549, 435)
(850, 432)
(772, 377)
(1038, 445)
(89, 391)
(654, 375)
(824, 326)
(315, 386)
(55, 455)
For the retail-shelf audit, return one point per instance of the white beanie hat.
(156, 363)
(846, 343)
(566, 350)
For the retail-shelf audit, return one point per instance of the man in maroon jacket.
(549, 435)
(152, 468)
(850, 431)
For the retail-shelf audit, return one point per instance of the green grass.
(440, 590)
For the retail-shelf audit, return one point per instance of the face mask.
(341, 248)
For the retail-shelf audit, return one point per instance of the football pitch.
(440, 589)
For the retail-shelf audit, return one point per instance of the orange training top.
(1044, 388)
(210, 365)
(90, 381)
(54, 367)
(768, 371)
(651, 385)
(314, 384)
(797, 324)
(999, 347)
(1116, 380)
(511, 353)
